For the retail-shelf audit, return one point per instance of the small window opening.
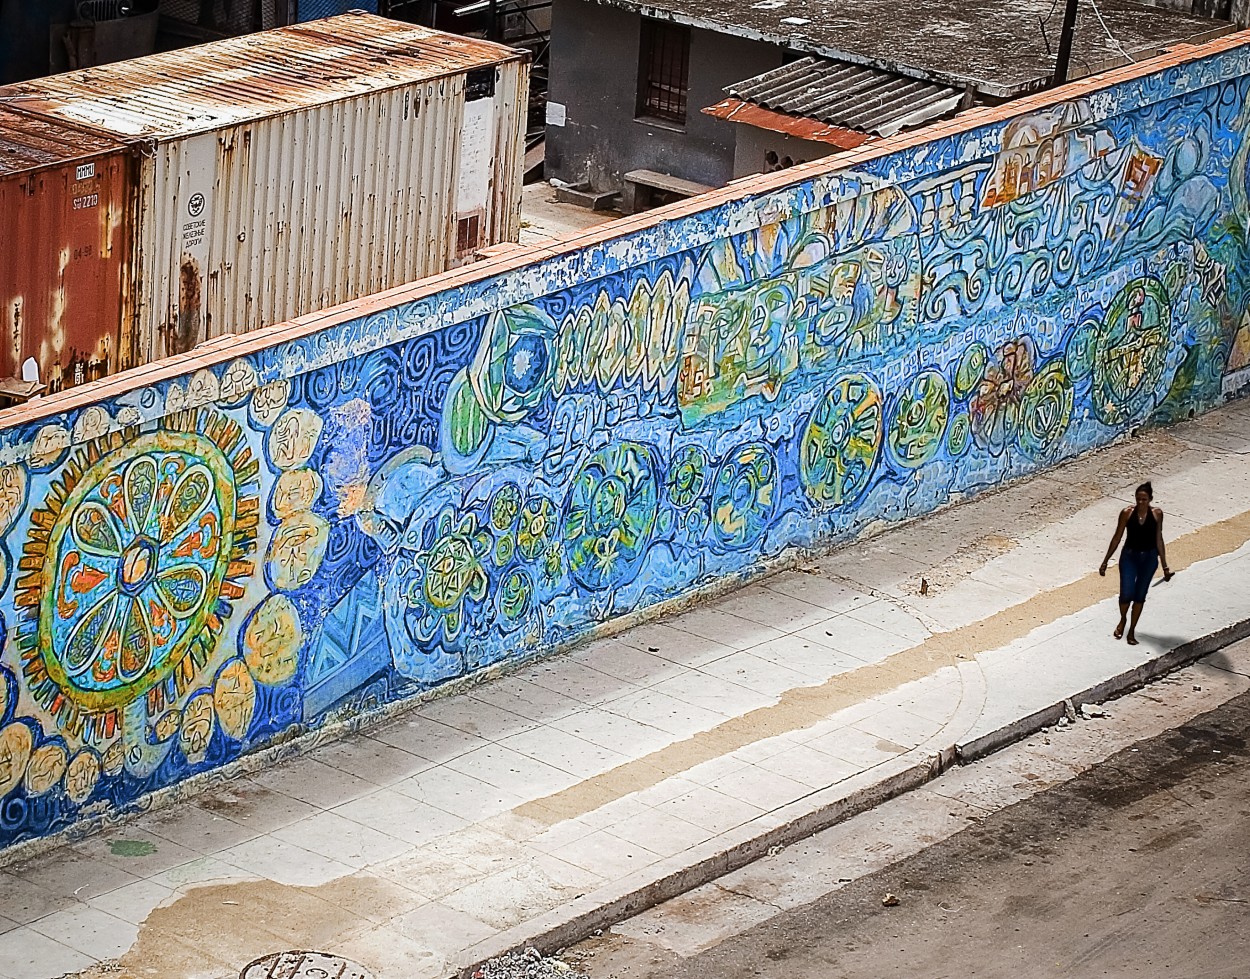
(663, 71)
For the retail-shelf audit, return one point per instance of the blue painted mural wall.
(200, 567)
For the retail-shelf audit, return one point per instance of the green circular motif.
(1082, 349)
(536, 528)
(609, 515)
(687, 476)
(919, 423)
(840, 444)
(959, 435)
(453, 568)
(505, 507)
(504, 548)
(516, 592)
(971, 369)
(1046, 410)
(552, 564)
(1132, 351)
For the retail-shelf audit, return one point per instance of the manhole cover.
(304, 965)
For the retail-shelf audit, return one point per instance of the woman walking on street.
(1143, 550)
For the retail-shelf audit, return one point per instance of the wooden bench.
(639, 185)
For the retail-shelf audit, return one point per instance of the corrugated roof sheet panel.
(870, 100)
(224, 83)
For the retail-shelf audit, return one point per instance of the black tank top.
(1142, 536)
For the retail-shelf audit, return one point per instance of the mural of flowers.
(687, 476)
(1047, 409)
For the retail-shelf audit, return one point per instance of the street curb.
(1118, 685)
(623, 899)
(602, 909)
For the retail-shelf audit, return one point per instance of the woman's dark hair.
(1147, 489)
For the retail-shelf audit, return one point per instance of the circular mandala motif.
(1132, 351)
(610, 513)
(516, 592)
(841, 442)
(920, 418)
(503, 550)
(959, 435)
(139, 555)
(687, 476)
(1047, 409)
(1082, 349)
(536, 528)
(744, 495)
(505, 506)
(971, 369)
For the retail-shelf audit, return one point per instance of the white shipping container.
(298, 168)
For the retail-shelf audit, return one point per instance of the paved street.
(1137, 867)
(475, 822)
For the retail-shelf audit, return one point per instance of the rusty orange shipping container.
(66, 195)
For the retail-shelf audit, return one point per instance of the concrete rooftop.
(997, 46)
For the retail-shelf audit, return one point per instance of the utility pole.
(1065, 44)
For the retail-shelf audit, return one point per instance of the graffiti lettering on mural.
(274, 553)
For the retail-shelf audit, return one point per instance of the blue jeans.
(1136, 570)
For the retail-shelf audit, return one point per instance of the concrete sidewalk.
(581, 789)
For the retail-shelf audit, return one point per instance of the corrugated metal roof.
(735, 110)
(223, 83)
(29, 142)
(869, 100)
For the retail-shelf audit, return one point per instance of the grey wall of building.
(594, 72)
(754, 145)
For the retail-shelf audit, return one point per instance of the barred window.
(663, 70)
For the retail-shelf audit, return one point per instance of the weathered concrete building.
(686, 55)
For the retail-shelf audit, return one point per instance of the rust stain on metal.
(215, 85)
(735, 110)
(65, 200)
(188, 331)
